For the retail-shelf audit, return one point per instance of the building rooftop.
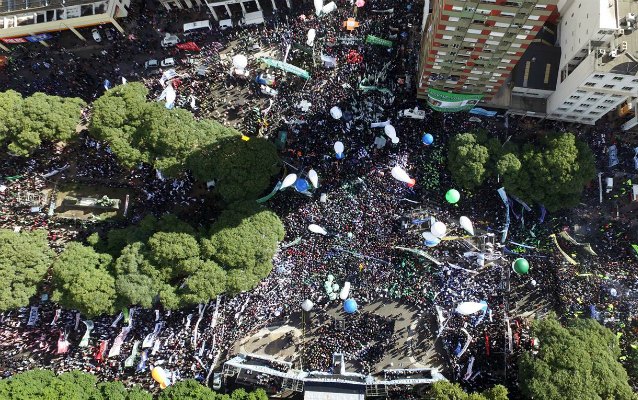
(10, 7)
(538, 67)
(624, 60)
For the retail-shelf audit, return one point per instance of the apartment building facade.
(469, 47)
(23, 21)
(598, 73)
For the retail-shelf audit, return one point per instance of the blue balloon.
(301, 185)
(427, 139)
(339, 156)
(432, 243)
(350, 306)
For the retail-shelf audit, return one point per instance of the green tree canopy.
(188, 389)
(445, 390)
(554, 172)
(73, 385)
(242, 169)
(206, 280)
(243, 240)
(26, 122)
(579, 361)
(467, 160)
(24, 260)
(82, 280)
(141, 131)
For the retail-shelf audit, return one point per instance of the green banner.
(442, 101)
(271, 194)
(370, 39)
(635, 247)
(286, 67)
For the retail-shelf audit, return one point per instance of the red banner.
(188, 46)
(14, 40)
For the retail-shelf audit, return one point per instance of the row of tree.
(161, 261)
(552, 172)
(576, 361)
(26, 122)
(173, 141)
(79, 385)
(139, 131)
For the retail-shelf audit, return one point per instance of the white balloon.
(335, 287)
(390, 131)
(314, 228)
(240, 61)
(395, 140)
(339, 147)
(430, 239)
(314, 178)
(438, 229)
(345, 291)
(307, 305)
(318, 6)
(469, 307)
(399, 174)
(467, 225)
(289, 180)
(328, 8)
(311, 37)
(336, 113)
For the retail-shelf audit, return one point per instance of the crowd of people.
(374, 221)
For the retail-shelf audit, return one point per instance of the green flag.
(370, 39)
(635, 247)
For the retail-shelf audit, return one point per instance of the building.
(278, 376)
(599, 63)
(534, 77)
(24, 21)
(221, 9)
(470, 47)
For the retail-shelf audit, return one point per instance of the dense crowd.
(367, 213)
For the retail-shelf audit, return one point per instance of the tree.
(82, 281)
(117, 118)
(445, 390)
(188, 389)
(577, 361)
(137, 281)
(26, 122)
(467, 160)
(206, 280)
(27, 385)
(44, 385)
(241, 169)
(243, 240)
(169, 248)
(553, 173)
(25, 259)
(140, 131)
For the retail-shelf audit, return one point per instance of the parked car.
(169, 40)
(109, 34)
(412, 113)
(268, 91)
(96, 35)
(151, 64)
(168, 62)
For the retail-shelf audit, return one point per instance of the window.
(580, 91)
(599, 76)
(574, 97)
(618, 78)
(596, 93)
(569, 103)
(616, 96)
(591, 99)
(609, 86)
(628, 88)
(609, 102)
(590, 84)
(634, 81)
(601, 107)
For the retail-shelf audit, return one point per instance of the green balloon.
(520, 266)
(452, 196)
